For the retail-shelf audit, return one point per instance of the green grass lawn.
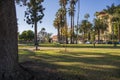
(74, 45)
(77, 63)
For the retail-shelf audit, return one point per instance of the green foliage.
(85, 28)
(114, 12)
(27, 35)
(34, 12)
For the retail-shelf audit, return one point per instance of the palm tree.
(57, 26)
(100, 27)
(77, 21)
(111, 10)
(89, 25)
(72, 14)
(85, 28)
(59, 23)
(61, 13)
(116, 19)
(63, 4)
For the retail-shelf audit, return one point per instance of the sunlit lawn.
(78, 63)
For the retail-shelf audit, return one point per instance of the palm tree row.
(60, 21)
(86, 29)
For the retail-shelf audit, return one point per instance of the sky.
(51, 7)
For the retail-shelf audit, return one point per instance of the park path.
(42, 48)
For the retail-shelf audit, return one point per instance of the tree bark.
(35, 35)
(119, 33)
(58, 34)
(9, 66)
(98, 36)
(71, 36)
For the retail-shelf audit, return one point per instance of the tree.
(85, 28)
(88, 26)
(63, 4)
(100, 26)
(10, 69)
(77, 27)
(34, 14)
(30, 35)
(41, 35)
(23, 35)
(27, 35)
(72, 14)
(49, 37)
(56, 24)
(59, 23)
(114, 12)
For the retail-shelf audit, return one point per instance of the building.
(55, 38)
(106, 35)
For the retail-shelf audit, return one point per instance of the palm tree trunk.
(98, 36)
(71, 30)
(84, 37)
(119, 33)
(9, 66)
(88, 36)
(78, 20)
(58, 34)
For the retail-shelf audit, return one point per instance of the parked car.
(109, 42)
(87, 42)
(99, 42)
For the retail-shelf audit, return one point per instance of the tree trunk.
(58, 34)
(9, 67)
(98, 36)
(78, 20)
(71, 36)
(119, 33)
(73, 30)
(35, 36)
(66, 28)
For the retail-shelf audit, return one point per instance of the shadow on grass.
(72, 65)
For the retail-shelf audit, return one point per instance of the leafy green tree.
(23, 35)
(27, 35)
(34, 14)
(30, 35)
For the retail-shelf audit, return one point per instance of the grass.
(77, 63)
(74, 45)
